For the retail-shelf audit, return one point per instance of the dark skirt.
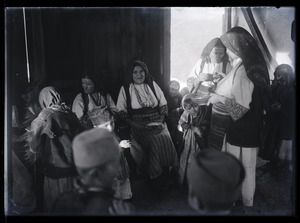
(218, 128)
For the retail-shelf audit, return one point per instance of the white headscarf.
(49, 97)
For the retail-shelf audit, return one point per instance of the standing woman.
(90, 97)
(244, 99)
(213, 60)
(50, 137)
(143, 106)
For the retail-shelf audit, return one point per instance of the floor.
(272, 195)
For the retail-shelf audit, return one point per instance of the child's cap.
(215, 176)
(95, 147)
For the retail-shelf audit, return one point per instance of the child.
(175, 110)
(214, 182)
(194, 122)
(97, 160)
(104, 119)
(281, 117)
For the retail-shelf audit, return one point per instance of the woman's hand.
(197, 131)
(125, 144)
(203, 77)
(214, 98)
(185, 126)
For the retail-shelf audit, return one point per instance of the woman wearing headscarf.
(243, 94)
(281, 117)
(50, 137)
(194, 123)
(91, 97)
(143, 106)
(213, 60)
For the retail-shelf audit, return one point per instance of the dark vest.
(247, 131)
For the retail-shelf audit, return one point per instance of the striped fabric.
(191, 148)
(124, 170)
(218, 127)
(142, 116)
(122, 185)
(219, 108)
(158, 149)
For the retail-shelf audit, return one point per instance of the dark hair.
(98, 88)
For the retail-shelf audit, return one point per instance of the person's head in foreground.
(214, 181)
(96, 157)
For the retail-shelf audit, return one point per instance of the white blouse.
(144, 96)
(99, 100)
(237, 85)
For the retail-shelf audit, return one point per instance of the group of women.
(234, 126)
(240, 98)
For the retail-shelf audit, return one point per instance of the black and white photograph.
(150, 111)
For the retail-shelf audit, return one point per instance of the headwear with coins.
(100, 115)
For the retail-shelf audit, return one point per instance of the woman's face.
(231, 54)
(138, 75)
(216, 54)
(192, 108)
(87, 85)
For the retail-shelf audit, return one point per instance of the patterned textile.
(158, 149)
(155, 141)
(191, 138)
(95, 100)
(241, 42)
(50, 136)
(217, 131)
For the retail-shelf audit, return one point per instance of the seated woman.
(143, 106)
(91, 97)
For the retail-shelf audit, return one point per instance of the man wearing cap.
(97, 160)
(214, 181)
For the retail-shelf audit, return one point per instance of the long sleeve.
(196, 69)
(122, 101)
(241, 90)
(39, 128)
(77, 106)
(111, 104)
(160, 95)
